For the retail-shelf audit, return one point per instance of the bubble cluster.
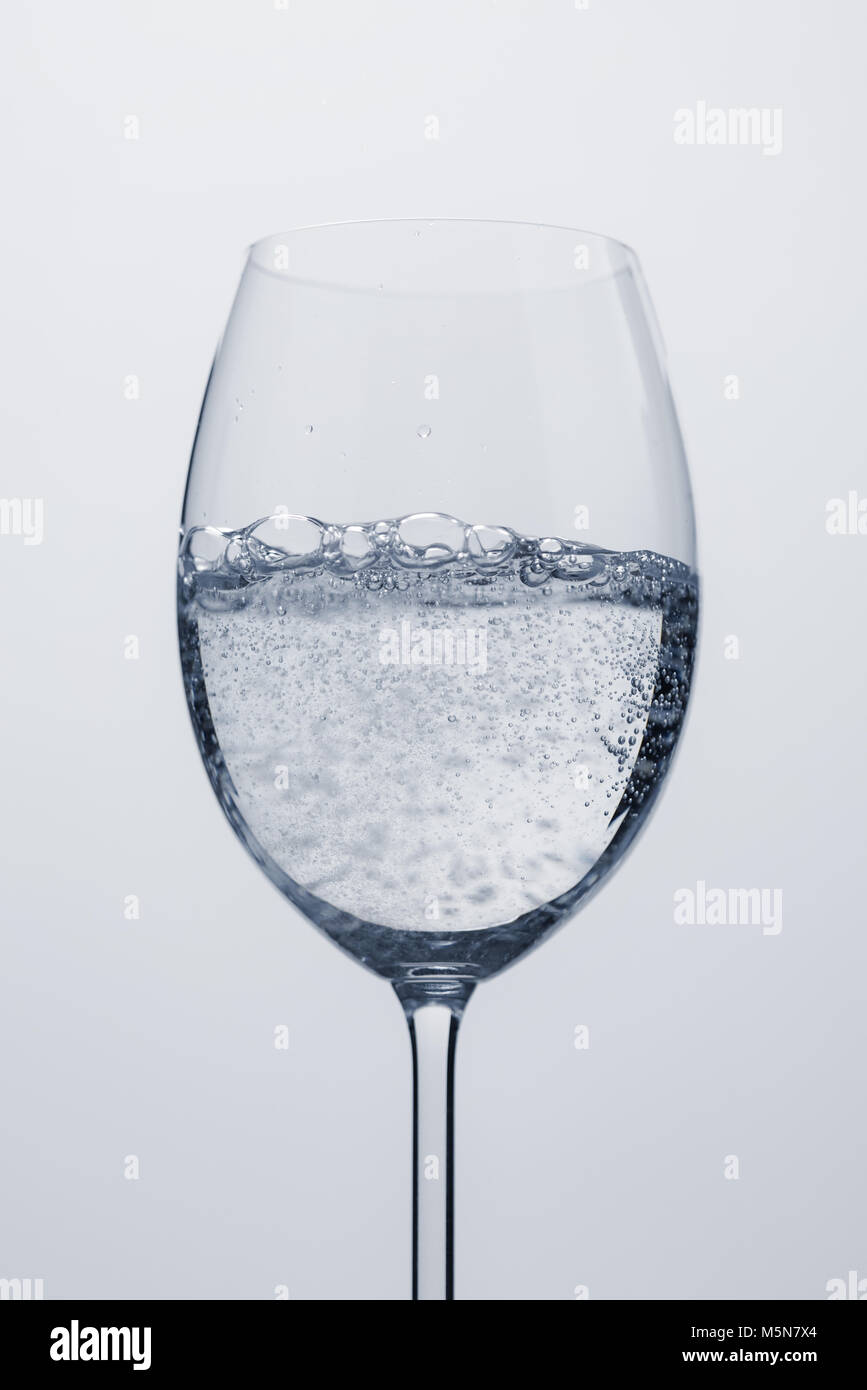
(423, 541)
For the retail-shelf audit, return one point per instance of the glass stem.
(433, 1010)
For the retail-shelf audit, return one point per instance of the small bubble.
(423, 431)
(453, 719)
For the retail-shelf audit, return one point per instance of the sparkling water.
(436, 738)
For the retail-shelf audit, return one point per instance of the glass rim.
(440, 222)
(617, 255)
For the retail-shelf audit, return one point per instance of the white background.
(155, 1037)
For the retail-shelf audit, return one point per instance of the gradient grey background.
(259, 1167)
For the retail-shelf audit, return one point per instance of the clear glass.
(438, 603)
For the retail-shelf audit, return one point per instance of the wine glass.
(437, 603)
